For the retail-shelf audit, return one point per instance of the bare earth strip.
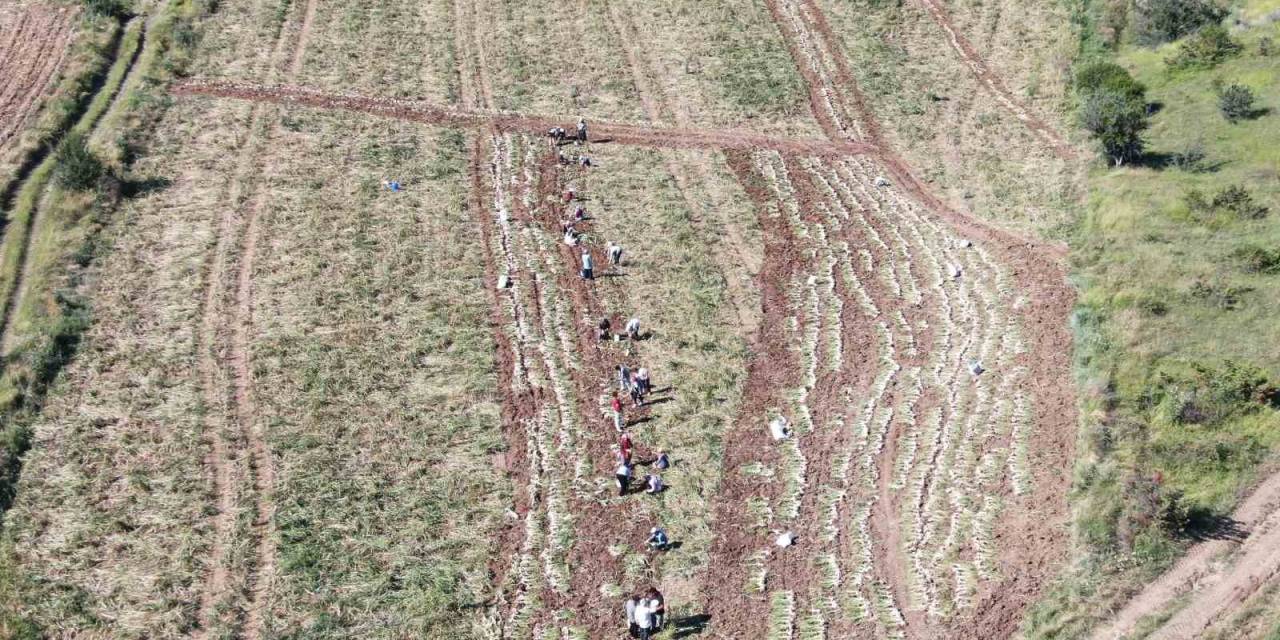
(1217, 588)
(416, 111)
(994, 84)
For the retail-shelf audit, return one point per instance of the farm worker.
(579, 213)
(571, 238)
(637, 396)
(644, 619)
(603, 327)
(663, 461)
(624, 445)
(624, 377)
(653, 484)
(658, 605)
(616, 405)
(584, 160)
(778, 428)
(658, 540)
(623, 476)
(633, 328)
(633, 629)
(614, 250)
(569, 194)
(586, 264)
(582, 129)
(642, 378)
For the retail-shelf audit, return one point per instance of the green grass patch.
(1177, 345)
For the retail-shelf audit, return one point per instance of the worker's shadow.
(632, 423)
(690, 625)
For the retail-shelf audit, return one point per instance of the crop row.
(537, 321)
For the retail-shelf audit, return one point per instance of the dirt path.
(994, 84)
(1254, 546)
(613, 132)
(19, 291)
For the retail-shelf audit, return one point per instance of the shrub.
(1221, 296)
(1159, 21)
(1231, 202)
(1108, 76)
(1191, 158)
(1207, 395)
(1266, 46)
(108, 8)
(77, 168)
(1117, 122)
(1235, 102)
(1207, 48)
(1255, 259)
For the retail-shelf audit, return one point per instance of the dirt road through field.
(1219, 573)
(32, 52)
(602, 131)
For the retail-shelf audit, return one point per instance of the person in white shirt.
(614, 251)
(654, 484)
(586, 264)
(644, 618)
(633, 328)
(633, 629)
(623, 476)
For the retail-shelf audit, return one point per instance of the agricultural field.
(297, 343)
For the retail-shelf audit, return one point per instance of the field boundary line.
(507, 122)
(39, 179)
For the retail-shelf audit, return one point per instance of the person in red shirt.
(624, 444)
(616, 405)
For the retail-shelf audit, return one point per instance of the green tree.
(1207, 48)
(1235, 102)
(1116, 121)
(1101, 75)
(1160, 21)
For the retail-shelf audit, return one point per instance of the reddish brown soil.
(772, 368)
(417, 111)
(32, 49)
(1032, 535)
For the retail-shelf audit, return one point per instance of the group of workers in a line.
(645, 613)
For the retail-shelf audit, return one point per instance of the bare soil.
(32, 50)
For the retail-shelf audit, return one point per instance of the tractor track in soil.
(994, 84)
(1251, 549)
(655, 100)
(505, 122)
(248, 441)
